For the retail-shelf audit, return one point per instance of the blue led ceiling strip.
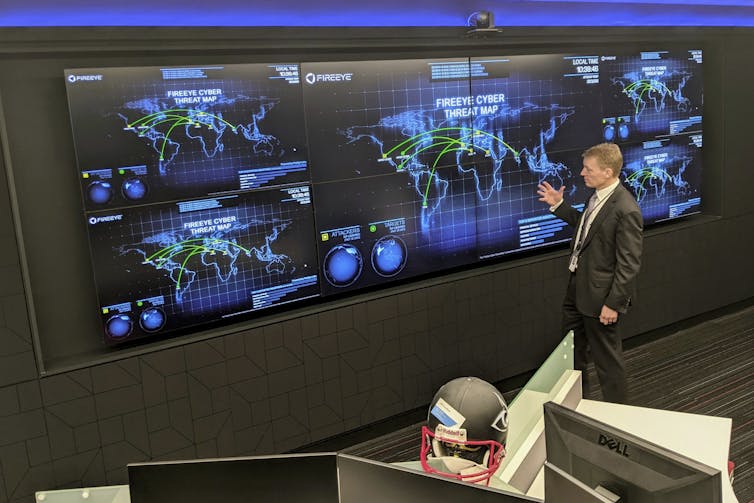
(338, 13)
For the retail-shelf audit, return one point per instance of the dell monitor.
(602, 456)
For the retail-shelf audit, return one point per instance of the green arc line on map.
(451, 145)
(639, 178)
(644, 86)
(191, 248)
(176, 117)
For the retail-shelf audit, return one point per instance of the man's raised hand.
(549, 195)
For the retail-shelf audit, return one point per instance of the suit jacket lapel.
(606, 209)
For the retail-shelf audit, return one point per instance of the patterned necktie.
(573, 262)
(585, 221)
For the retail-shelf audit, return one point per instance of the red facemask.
(470, 471)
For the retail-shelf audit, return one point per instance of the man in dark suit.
(604, 263)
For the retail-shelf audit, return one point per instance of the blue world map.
(428, 141)
(181, 254)
(206, 125)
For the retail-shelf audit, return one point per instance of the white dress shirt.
(602, 195)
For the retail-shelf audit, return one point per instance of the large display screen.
(146, 135)
(214, 192)
(167, 266)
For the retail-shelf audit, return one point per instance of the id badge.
(574, 263)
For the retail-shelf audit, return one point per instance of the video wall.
(212, 193)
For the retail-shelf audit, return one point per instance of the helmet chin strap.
(463, 467)
(457, 465)
(478, 458)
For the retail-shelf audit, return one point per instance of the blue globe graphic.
(99, 192)
(134, 189)
(119, 326)
(609, 133)
(152, 319)
(623, 131)
(343, 264)
(389, 256)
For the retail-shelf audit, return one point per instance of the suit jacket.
(610, 255)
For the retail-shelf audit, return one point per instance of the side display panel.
(151, 134)
(168, 266)
(653, 104)
(651, 94)
(665, 176)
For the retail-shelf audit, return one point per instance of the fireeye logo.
(614, 445)
(312, 78)
(75, 78)
(106, 218)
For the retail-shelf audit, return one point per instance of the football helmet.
(467, 425)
